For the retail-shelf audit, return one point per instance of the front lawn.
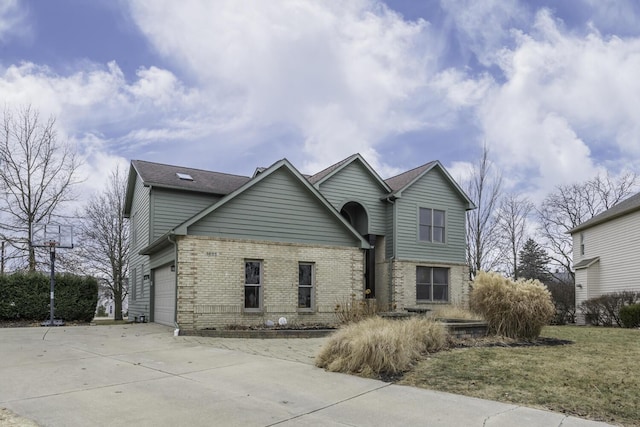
(596, 377)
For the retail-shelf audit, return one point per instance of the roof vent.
(184, 176)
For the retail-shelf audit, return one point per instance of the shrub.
(630, 316)
(354, 310)
(25, 296)
(605, 309)
(512, 309)
(377, 346)
(564, 298)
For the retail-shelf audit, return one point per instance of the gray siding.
(433, 190)
(139, 302)
(355, 184)
(390, 238)
(170, 208)
(278, 208)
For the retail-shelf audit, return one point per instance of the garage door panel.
(164, 297)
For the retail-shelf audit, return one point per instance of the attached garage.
(164, 301)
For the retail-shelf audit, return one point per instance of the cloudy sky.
(552, 87)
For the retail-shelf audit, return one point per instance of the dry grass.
(381, 347)
(454, 312)
(596, 377)
(512, 309)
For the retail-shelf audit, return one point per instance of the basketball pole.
(52, 250)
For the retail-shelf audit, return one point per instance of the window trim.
(260, 287)
(432, 225)
(432, 284)
(311, 287)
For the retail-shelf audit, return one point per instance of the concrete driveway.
(141, 375)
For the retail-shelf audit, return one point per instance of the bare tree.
(512, 228)
(37, 175)
(571, 205)
(482, 239)
(104, 239)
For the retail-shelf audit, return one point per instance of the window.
(581, 243)
(253, 285)
(431, 225)
(432, 284)
(305, 285)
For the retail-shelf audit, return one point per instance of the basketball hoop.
(52, 236)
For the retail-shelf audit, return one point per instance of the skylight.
(184, 176)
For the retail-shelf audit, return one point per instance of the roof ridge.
(411, 170)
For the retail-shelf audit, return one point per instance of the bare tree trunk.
(484, 190)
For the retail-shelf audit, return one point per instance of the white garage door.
(165, 296)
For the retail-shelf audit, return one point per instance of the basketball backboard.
(48, 235)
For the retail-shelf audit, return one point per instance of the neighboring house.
(105, 299)
(211, 249)
(606, 252)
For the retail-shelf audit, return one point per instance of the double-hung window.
(305, 286)
(432, 284)
(253, 292)
(431, 226)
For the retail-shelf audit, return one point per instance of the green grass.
(596, 377)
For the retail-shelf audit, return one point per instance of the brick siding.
(211, 281)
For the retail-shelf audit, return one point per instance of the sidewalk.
(140, 374)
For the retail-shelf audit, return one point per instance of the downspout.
(393, 254)
(170, 238)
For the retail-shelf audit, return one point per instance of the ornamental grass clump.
(512, 309)
(377, 346)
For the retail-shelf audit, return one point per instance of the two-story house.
(211, 249)
(606, 252)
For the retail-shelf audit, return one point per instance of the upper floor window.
(581, 243)
(431, 225)
(305, 285)
(253, 285)
(432, 284)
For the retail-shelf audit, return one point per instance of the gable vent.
(184, 176)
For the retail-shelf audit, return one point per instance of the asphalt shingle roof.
(317, 177)
(626, 206)
(161, 175)
(398, 182)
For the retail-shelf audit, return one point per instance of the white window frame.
(311, 287)
(431, 284)
(431, 225)
(259, 286)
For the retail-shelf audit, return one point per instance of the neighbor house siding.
(278, 208)
(139, 218)
(434, 191)
(170, 208)
(354, 183)
(617, 244)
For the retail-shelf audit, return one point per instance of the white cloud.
(13, 22)
(483, 27)
(565, 97)
(344, 75)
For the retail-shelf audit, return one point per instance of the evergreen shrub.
(25, 296)
(516, 310)
(630, 316)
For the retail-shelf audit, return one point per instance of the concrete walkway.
(141, 375)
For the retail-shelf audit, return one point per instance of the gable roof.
(284, 163)
(625, 207)
(401, 182)
(327, 173)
